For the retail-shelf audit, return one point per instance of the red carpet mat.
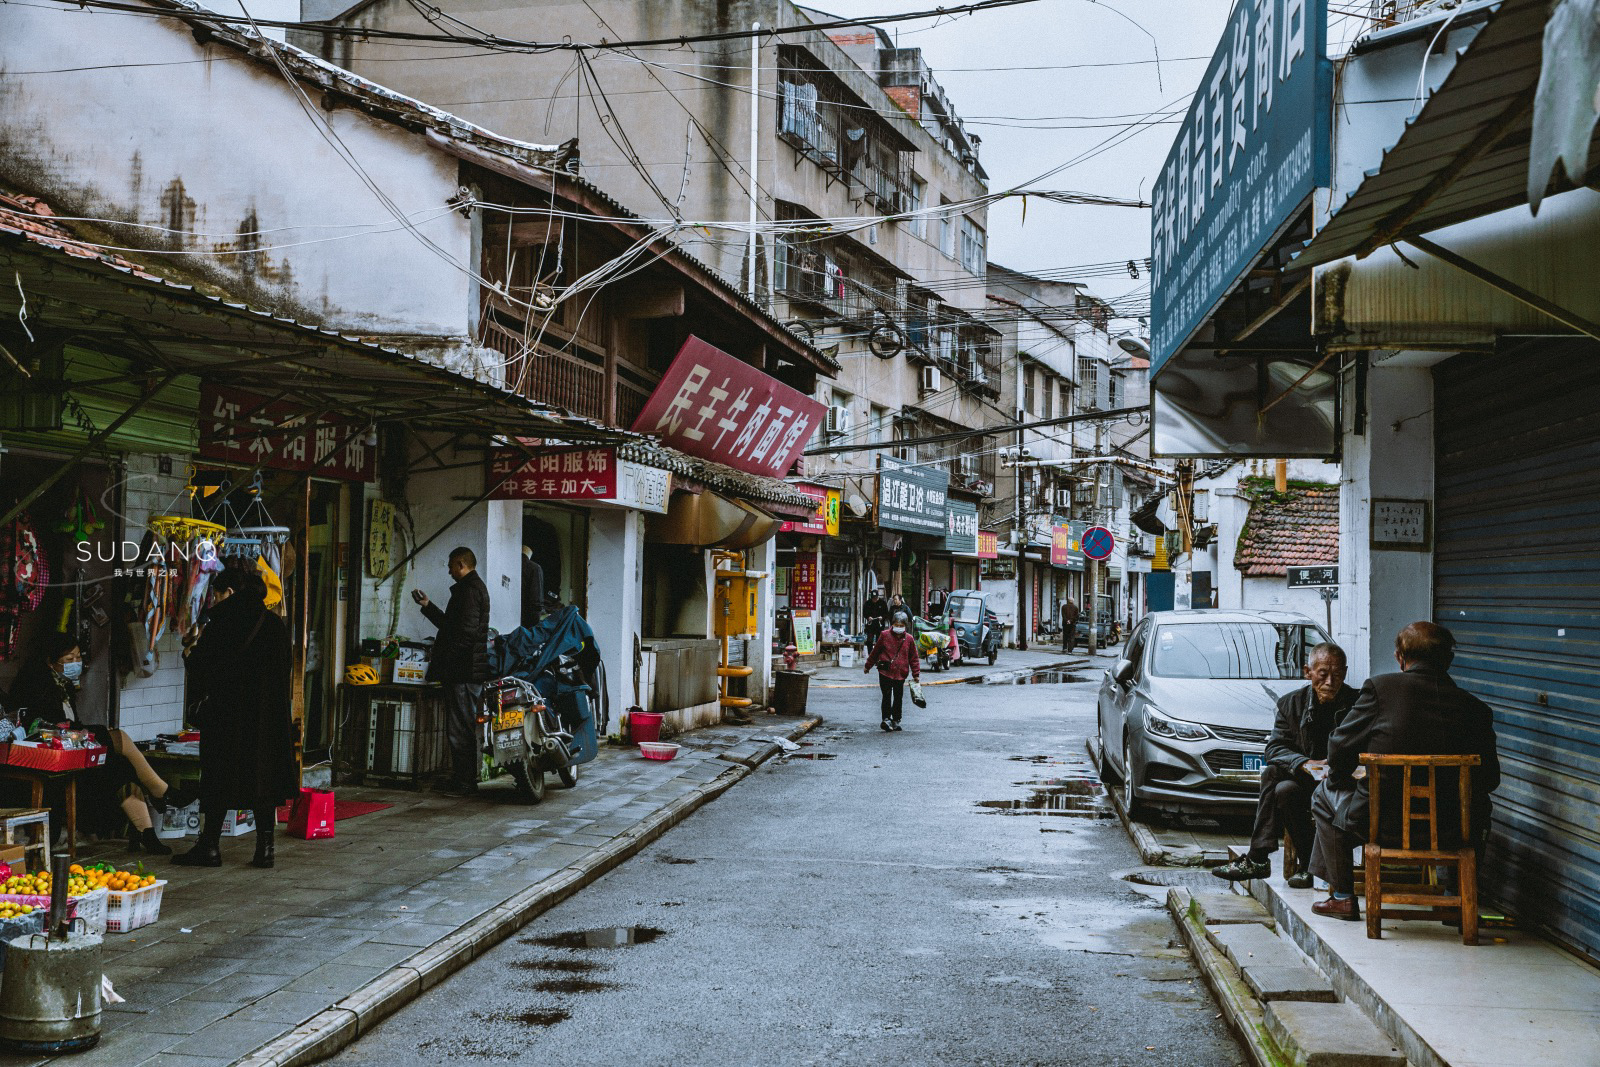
(343, 809)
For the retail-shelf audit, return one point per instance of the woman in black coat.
(239, 672)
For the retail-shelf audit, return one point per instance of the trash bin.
(789, 695)
(645, 726)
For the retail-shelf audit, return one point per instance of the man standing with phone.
(460, 664)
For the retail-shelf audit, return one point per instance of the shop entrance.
(559, 540)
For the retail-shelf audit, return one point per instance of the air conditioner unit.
(932, 380)
(837, 420)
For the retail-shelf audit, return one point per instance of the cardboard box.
(16, 856)
(411, 668)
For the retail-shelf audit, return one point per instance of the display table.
(36, 780)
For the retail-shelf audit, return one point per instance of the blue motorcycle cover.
(532, 655)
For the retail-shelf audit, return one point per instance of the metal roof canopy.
(177, 330)
(1465, 154)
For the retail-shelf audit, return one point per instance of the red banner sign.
(803, 584)
(248, 429)
(557, 474)
(1061, 546)
(988, 545)
(714, 406)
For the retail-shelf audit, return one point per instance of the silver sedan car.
(1184, 716)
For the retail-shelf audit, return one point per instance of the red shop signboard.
(716, 407)
(249, 429)
(557, 474)
(803, 584)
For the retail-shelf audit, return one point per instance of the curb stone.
(340, 1025)
(1245, 1016)
(1151, 850)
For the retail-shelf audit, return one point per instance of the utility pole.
(1021, 525)
(755, 149)
(1091, 568)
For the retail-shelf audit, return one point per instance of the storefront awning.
(1466, 153)
(71, 294)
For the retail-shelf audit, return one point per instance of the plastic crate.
(130, 909)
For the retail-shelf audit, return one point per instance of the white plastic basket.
(130, 909)
(92, 910)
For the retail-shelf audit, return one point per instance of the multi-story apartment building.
(868, 237)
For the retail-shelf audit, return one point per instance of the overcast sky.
(1099, 100)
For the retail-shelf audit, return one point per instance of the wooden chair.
(1419, 806)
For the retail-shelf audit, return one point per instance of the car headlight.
(1162, 726)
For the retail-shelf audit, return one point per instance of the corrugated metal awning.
(1465, 154)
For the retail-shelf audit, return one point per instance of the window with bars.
(1088, 384)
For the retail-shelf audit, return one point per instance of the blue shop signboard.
(913, 499)
(1252, 148)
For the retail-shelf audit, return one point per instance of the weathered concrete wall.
(202, 143)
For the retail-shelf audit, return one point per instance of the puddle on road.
(563, 966)
(535, 1017)
(572, 985)
(813, 755)
(1124, 928)
(1081, 798)
(1036, 678)
(672, 859)
(608, 937)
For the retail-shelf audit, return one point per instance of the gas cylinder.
(50, 993)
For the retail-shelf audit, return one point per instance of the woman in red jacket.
(895, 656)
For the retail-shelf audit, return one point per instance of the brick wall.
(153, 705)
(908, 97)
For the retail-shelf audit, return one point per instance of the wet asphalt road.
(877, 908)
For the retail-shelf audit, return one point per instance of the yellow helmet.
(360, 674)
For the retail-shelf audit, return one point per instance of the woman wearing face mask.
(895, 656)
(46, 694)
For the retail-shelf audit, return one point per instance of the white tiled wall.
(153, 705)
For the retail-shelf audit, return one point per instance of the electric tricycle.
(976, 624)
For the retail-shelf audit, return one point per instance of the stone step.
(1328, 1035)
(1251, 944)
(1275, 982)
(1222, 906)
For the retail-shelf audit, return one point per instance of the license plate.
(1254, 763)
(509, 720)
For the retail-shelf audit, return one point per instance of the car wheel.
(1108, 773)
(1130, 799)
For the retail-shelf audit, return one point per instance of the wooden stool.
(1420, 804)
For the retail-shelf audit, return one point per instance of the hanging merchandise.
(202, 565)
(24, 573)
(81, 519)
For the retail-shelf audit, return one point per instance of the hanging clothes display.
(24, 574)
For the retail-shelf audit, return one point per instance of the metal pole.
(755, 148)
(1091, 568)
(1021, 521)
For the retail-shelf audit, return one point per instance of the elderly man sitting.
(1296, 758)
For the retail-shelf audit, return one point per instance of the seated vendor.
(45, 694)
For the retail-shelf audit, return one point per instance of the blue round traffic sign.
(1098, 543)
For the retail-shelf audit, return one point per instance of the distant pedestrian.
(532, 589)
(875, 613)
(895, 656)
(1069, 624)
(460, 664)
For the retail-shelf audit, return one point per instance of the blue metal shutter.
(1517, 578)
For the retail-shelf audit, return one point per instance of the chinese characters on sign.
(714, 406)
(803, 584)
(565, 474)
(256, 431)
(1312, 577)
(826, 520)
(1401, 524)
(1060, 546)
(961, 528)
(1253, 146)
(988, 546)
(913, 498)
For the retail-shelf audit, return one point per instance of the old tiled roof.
(32, 218)
(1297, 528)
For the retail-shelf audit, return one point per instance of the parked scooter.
(539, 714)
(933, 642)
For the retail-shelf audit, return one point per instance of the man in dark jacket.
(1418, 712)
(461, 664)
(532, 589)
(1069, 624)
(1296, 757)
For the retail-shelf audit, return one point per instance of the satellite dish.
(857, 505)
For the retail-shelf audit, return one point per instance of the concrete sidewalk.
(1514, 1000)
(286, 966)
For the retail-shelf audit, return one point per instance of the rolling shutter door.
(1517, 578)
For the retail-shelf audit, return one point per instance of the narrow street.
(877, 898)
